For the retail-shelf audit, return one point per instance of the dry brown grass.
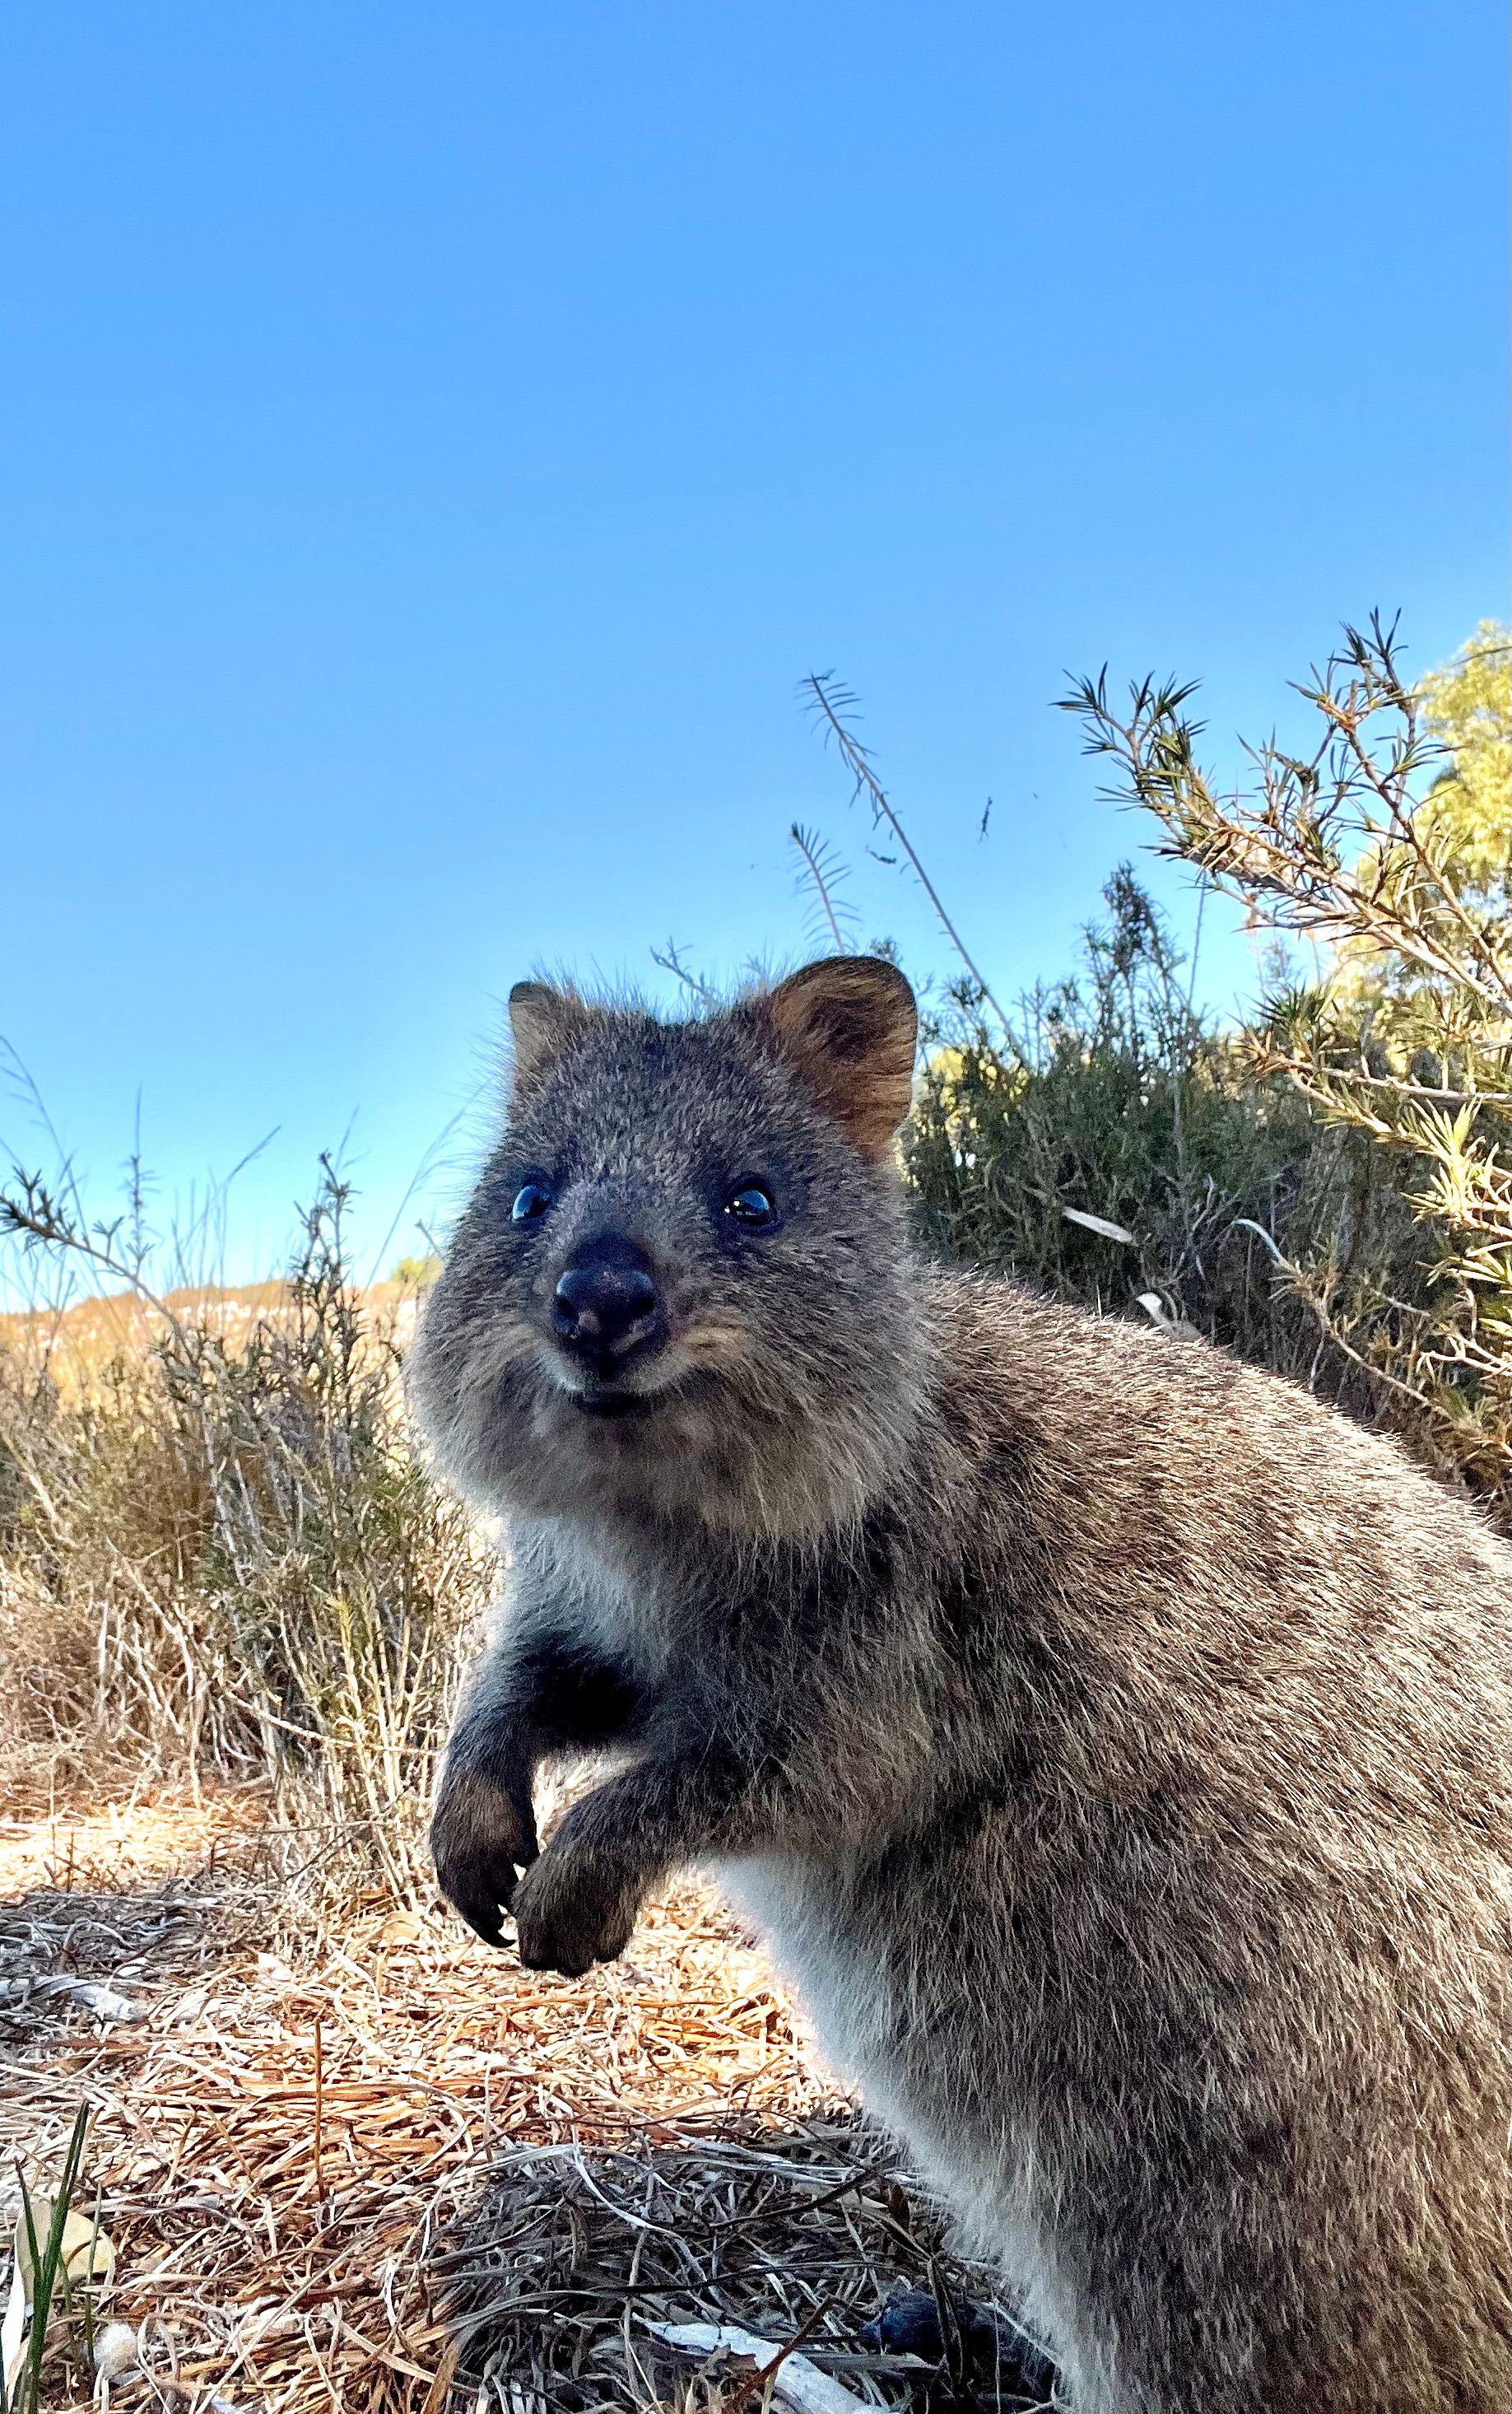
(78, 1338)
(387, 2169)
(220, 1555)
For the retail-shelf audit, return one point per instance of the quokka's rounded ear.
(851, 1024)
(541, 1021)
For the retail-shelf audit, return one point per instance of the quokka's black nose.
(607, 1308)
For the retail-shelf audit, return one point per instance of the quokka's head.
(681, 1288)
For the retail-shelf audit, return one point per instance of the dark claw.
(483, 1836)
(483, 1921)
(481, 1890)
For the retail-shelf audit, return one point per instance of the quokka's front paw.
(482, 1836)
(571, 1911)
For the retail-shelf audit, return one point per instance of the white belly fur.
(995, 2187)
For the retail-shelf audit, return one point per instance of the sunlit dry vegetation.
(223, 1558)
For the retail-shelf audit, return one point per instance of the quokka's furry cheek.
(717, 1343)
(486, 1401)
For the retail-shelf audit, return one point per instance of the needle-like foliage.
(824, 873)
(1128, 1159)
(1388, 843)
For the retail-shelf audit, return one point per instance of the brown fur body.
(1111, 1739)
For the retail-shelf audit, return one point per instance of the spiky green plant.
(47, 2267)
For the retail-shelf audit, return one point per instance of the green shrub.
(1124, 1158)
(1389, 845)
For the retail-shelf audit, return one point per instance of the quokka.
(1109, 1738)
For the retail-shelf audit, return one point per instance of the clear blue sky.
(436, 438)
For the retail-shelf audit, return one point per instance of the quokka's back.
(1110, 1738)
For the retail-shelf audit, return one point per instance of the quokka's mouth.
(604, 1401)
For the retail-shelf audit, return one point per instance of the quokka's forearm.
(651, 1819)
(690, 1796)
(541, 1693)
(579, 1901)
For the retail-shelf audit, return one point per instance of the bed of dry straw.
(394, 2171)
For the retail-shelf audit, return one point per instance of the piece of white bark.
(796, 2382)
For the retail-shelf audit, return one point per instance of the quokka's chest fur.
(867, 1972)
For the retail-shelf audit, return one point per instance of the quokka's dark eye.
(750, 1204)
(531, 1200)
